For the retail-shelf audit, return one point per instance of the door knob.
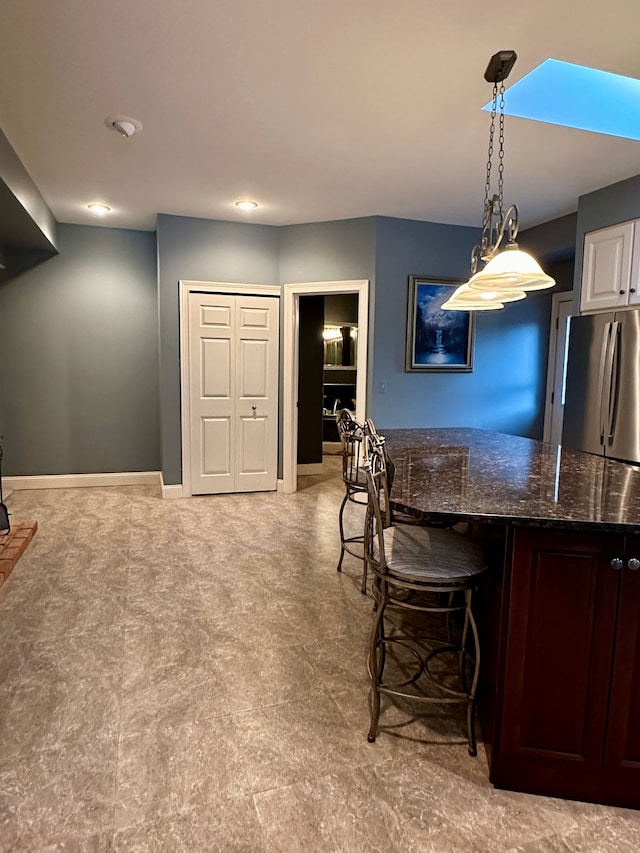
(617, 563)
(633, 563)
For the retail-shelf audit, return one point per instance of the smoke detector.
(124, 125)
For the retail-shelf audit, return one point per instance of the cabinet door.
(622, 754)
(634, 289)
(557, 670)
(607, 267)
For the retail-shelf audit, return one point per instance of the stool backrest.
(378, 516)
(380, 441)
(353, 448)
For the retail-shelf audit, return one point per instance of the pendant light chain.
(501, 153)
(488, 201)
(494, 204)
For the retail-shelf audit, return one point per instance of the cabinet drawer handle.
(617, 563)
(633, 563)
(632, 290)
(622, 293)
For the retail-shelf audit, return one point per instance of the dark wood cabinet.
(567, 719)
(622, 747)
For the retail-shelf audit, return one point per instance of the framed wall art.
(437, 340)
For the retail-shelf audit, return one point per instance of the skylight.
(571, 95)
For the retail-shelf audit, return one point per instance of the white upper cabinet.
(611, 268)
(634, 284)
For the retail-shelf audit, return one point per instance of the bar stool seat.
(430, 553)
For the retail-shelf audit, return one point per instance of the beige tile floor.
(189, 676)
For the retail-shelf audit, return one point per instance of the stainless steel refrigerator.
(602, 398)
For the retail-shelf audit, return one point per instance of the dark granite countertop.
(476, 475)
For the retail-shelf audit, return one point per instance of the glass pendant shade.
(465, 294)
(450, 305)
(511, 269)
(464, 299)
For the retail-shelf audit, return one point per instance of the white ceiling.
(317, 109)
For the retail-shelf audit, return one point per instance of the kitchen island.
(560, 612)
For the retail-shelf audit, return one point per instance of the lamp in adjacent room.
(508, 273)
(332, 333)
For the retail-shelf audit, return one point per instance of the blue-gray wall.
(505, 391)
(328, 251)
(78, 356)
(200, 250)
(551, 241)
(607, 206)
(89, 340)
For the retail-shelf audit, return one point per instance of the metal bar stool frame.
(352, 437)
(422, 594)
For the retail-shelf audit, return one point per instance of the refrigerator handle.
(604, 386)
(613, 381)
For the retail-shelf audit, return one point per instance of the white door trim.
(185, 287)
(556, 300)
(292, 293)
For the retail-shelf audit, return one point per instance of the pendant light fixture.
(510, 273)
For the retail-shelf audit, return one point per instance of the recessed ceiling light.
(246, 205)
(124, 125)
(99, 209)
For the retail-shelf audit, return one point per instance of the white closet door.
(212, 380)
(233, 356)
(256, 440)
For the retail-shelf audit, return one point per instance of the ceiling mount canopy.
(507, 274)
(500, 66)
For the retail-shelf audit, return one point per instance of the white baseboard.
(172, 491)
(76, 481)
(311, 468)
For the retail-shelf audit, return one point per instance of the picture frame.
(438, 341)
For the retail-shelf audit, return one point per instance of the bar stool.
(419, 570)
(352, 437)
